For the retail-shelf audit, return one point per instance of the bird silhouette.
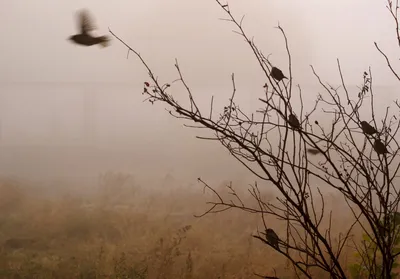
(277, 74)
(272, 238)
(367, 128)
(294, 122)
(313, 151)
(379, 147)
(86, 25)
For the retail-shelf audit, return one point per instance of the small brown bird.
(313, 151)
(379, 147)
(294, 122)
(367, 128)
(85, 24)
(272, 238)
(277, 74)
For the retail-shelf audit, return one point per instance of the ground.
(124, 230)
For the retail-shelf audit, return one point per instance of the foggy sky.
(35, 48)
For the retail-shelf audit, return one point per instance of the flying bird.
(277, 74)
(367, 128)
(379, 147)
(85, 38)
(294, 122)
(272, 238)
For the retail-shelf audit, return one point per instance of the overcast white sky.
(34, 47)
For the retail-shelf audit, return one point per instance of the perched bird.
(294, 122)
(313, 151)
(379, 147)
(86, 25)
(272, 238)
(367, 128)
(277, 74)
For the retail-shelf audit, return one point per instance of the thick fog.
(67, 110)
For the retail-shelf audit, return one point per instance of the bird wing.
(85, 22)
(275, 236)
(272, 235)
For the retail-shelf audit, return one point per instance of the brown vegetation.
(355, 161)
(149, 235)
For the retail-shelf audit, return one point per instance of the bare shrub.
(286, 147)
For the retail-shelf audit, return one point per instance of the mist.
(86, 103)
(69, 114)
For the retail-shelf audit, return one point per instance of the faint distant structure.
(89, 118)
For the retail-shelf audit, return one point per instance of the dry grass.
(125, 231)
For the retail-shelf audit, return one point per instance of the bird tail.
(104, 41)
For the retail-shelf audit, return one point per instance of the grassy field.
(123, 230)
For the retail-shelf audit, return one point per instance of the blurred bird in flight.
(85, 25)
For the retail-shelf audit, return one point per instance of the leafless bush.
(349, 156)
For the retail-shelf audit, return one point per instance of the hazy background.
(72, 111)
